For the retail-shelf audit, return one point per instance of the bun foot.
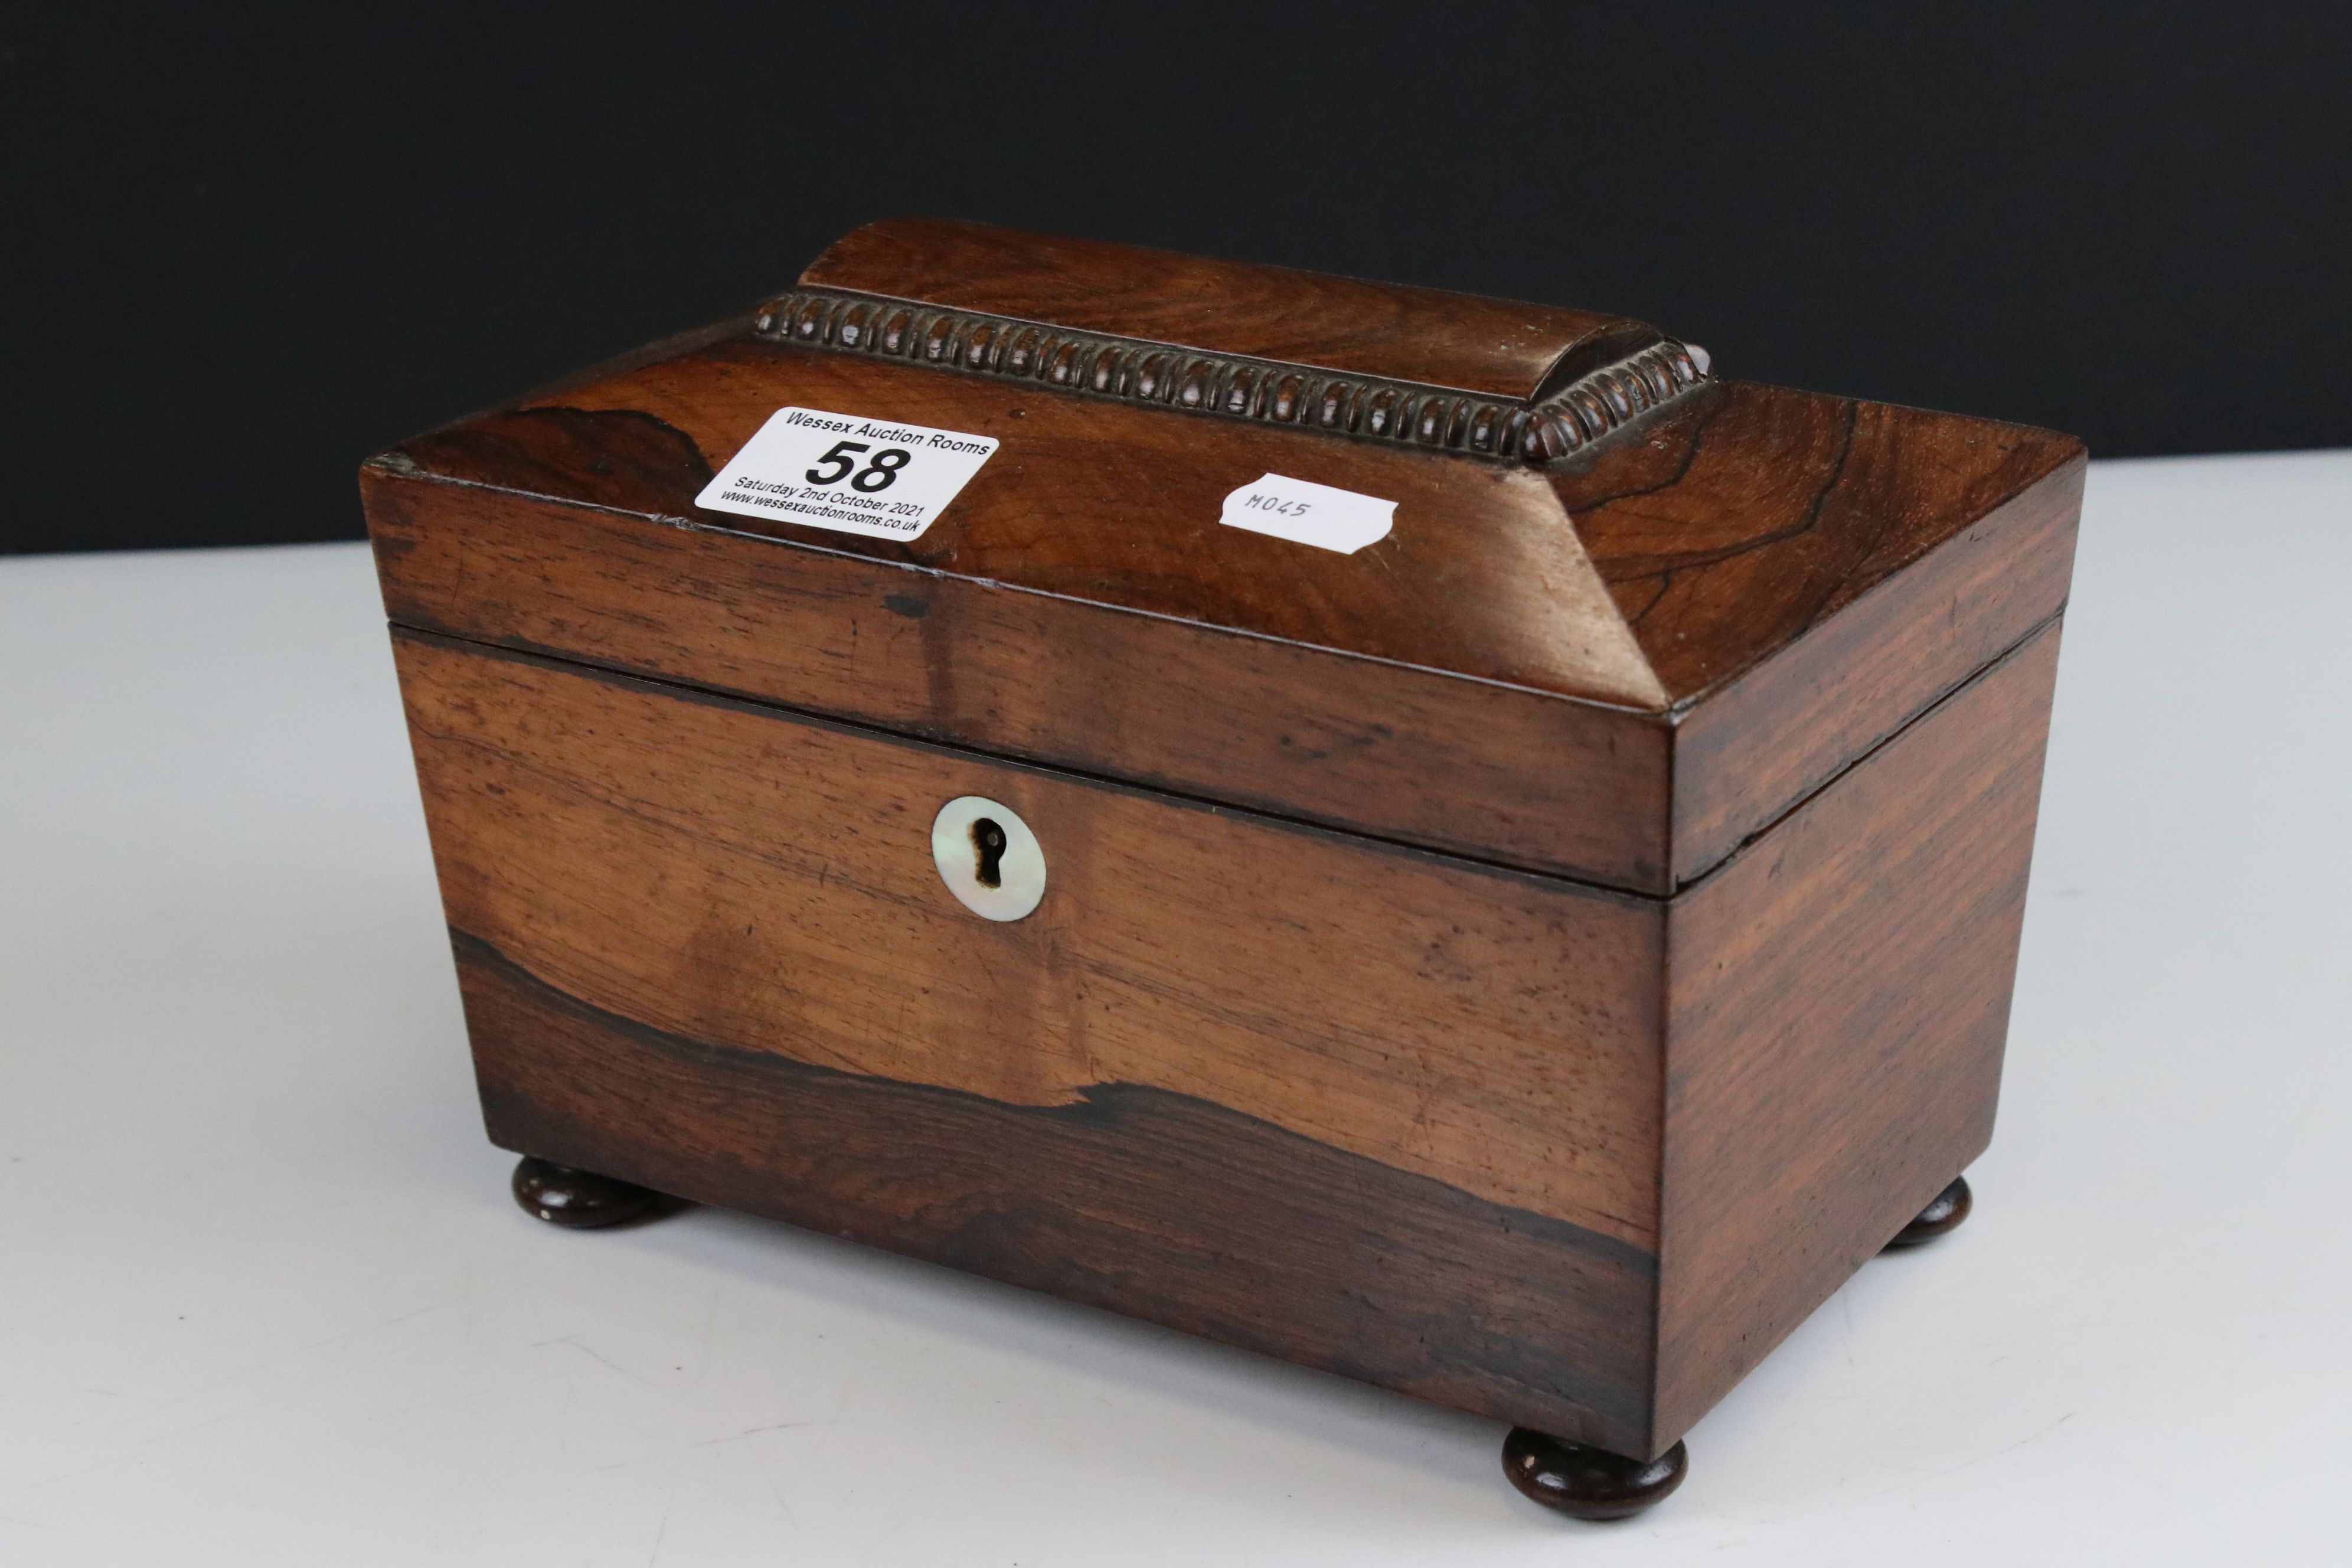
(581, 1200)
(1951, 1206)
(1588, 1483)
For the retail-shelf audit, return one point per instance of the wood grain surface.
(1481, 575)
(1837, 1005)
(1487, 770)
(1147, 1203)
(1747, 517)
(1502, 347)
(1483, 681)
(1528, 962)
(747, 896)
(739, 877)
(1787, 726)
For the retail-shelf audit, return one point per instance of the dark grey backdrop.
(242, 250)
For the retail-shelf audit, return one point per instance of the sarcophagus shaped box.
(1430, 836)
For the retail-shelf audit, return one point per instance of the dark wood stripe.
(1151, 1204)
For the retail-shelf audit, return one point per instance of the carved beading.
(1235, 386)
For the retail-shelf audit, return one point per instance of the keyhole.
(988, 845)
(988, 857)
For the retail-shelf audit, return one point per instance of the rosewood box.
(1434, 838)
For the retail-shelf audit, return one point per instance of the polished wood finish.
(1120, 506)
(1479, 768)
(636, 870)
(1502, 347)
(579, 1200)
(1156, 1205)
(1169, 377)
(1487, 378)
(1528, 962)
(1800, 627)
(1740, 522)
(1473, 683)
(1944, 1215)
(1590, 1483)
(729, 875)
(1837, 1002)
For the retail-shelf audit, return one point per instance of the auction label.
(848, 473)
(1308, 513)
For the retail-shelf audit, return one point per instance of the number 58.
(876, 475)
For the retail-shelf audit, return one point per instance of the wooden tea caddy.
(1528, 961)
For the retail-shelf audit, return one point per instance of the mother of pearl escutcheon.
(988, 857)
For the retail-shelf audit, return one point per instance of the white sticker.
(848, 473)
(1306, 513)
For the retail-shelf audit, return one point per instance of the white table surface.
(264, 1299)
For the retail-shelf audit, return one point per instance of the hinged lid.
(1624, 615)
